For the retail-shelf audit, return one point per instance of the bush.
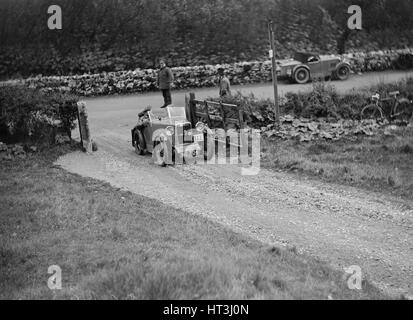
(378, 60)
(322, 101)
(404, 61)
(35, 116)
(404, 86)
(256, 111)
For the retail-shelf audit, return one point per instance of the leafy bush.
(404, 61)
(404, 86)
(378, 60)
(32, 115)
(256, 111)
(322, 101)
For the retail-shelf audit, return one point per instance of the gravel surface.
(342, 225)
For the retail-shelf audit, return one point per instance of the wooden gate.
(214, 114)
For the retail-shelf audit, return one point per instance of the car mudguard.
(159, 135)
(300, 66)
(342, 63)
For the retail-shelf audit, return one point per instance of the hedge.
(143, 80)
(322, 101)
(30, 115)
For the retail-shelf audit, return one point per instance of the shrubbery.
(322, 101)
(109, 36)
(29, 115)
(140, 80)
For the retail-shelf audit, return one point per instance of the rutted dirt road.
(342, 225)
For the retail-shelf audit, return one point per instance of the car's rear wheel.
(139, 143)
(302, 75)
(342, 73)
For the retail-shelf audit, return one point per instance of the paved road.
(342, 225)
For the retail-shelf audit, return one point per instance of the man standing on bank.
(164, 82)
(224, 85)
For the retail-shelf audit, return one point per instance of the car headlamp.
(170, 131)
(200, 126)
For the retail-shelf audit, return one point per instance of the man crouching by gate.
(143, 121)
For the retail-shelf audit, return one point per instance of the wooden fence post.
(86, 140)
(192, 108)
(207, 114)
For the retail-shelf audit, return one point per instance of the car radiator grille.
(180, 130)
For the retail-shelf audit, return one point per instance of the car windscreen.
(176, 113)
(299, 56)
(304, 56)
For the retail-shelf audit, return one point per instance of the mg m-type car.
(306, 66)
(170, 140)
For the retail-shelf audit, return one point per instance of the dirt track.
(342, 225)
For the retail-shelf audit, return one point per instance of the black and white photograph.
(206, 154)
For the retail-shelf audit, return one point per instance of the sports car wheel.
(343, 73)
(301, 76)
(139, 143)
(161, 154)
(190, 155)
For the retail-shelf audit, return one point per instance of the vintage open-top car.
(306, 66)
(171, 139)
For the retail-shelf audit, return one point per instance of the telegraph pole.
(274, 72)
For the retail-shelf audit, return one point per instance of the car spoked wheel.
(191, 153)
(302, 76)
(139, 143)
(343, 73)
(161, 154)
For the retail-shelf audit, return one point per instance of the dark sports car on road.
(167, 137)
(306, 66)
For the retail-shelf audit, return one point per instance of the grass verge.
(383, 162)
(112, 244)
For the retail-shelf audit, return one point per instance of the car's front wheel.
(302, 75)
(342, 73)
(162, 153)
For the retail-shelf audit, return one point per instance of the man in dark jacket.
(164, 82)
(223, 83)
